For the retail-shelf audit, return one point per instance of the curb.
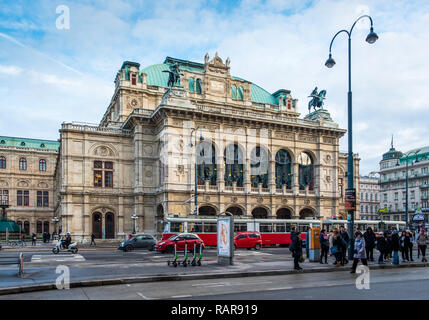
(181, 277)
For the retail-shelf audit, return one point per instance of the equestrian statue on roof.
(317, 99)
(174, 75)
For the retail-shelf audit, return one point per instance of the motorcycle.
(71, 248)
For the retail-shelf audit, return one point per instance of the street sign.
(382, 211)
(350, 202)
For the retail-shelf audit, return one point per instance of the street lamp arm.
(361, 17)
(332, 41)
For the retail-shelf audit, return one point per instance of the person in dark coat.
(92, 239)
(382, 246)
(404, 241)
(389, 250)
(395, 247)
(410, 247)
(296, 248)
(336, 248)
(33, 239)
(370, 238)
(324, 246)
(344, 245)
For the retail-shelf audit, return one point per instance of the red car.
(168, 245)
(248, 239)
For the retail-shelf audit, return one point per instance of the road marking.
(141, 295)
(37, 258)
(182, 296)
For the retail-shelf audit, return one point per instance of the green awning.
(9, 224)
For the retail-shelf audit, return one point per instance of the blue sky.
(49, 76)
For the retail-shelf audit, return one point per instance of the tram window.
(209, 227)
(280, 227)
(288, 227)
(239, 227)
(266, 227)
(198, 227)
(175, 227)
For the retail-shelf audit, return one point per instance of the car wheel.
(169, 249)
(129, 248)
(249, 248)
(257, 246)
(235, 247)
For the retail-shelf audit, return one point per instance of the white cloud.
(10, 70)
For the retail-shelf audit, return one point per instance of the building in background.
(27, 182)
(369, 196)
(393, 182)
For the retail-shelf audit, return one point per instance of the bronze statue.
(174, 75)
(317, 99)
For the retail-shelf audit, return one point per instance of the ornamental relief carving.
(307, 138)
(103, 151)
(23, 184)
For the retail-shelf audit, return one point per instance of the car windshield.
(173, 237)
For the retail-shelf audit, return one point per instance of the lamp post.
(134, 217)
(406, 185)
(194, 132)
(371, 38)
(55, 221)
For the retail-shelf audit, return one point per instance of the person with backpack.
(33, 239)
(422, 241)
(369, 238)
(324, 245)
(395, 246)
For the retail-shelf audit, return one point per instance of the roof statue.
(317, 99)
(174, 75)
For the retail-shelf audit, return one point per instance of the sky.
(50, 74)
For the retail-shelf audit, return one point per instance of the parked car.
(248, 239)
(168, 245)
(140, 241)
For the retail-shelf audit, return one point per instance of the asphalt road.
(406, 283)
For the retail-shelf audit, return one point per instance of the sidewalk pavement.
(83, 274)
(47, 247)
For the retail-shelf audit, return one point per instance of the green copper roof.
(156, 77)
(29, 143)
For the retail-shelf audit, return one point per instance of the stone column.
(271, 176)
(295, 182)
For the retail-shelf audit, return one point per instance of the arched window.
(236, 211)
(22, 164)
(233, 158)
(259, 167)
(39, 227)
(26, 227)
(20, 226)
(283, 169)
(191, 85)
(305, 171)
(234, 92)
(42, 165)
(206, 211)
(46, 226)
(2, 162)
(260, 213)
(206, 163)
(199, 86)
(240, 93)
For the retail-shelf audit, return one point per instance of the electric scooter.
(194, 260)
(185, 261)
(174, 263)
(200, 255)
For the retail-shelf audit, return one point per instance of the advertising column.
(225, 241)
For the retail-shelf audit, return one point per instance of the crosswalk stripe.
(57, 258)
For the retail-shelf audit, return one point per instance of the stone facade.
(27, 175)
(369, 197)
(248, 152)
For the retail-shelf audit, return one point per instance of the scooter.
(71, 248)
(196, 262)
(174, 263)
(185, 261)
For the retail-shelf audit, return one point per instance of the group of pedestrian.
(46, 237)
(389, 243)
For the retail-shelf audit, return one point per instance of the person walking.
(359, 252)
(92, 239)
(336, 248)
(395, 246)
(324, 245)
(369, 238)
(344, 245)
(422, 241)
(382, 246)
(296, 248)
(33, 239)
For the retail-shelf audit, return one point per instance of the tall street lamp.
(371, 38)
(406, 184)
(194, 132)
(134, 217)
